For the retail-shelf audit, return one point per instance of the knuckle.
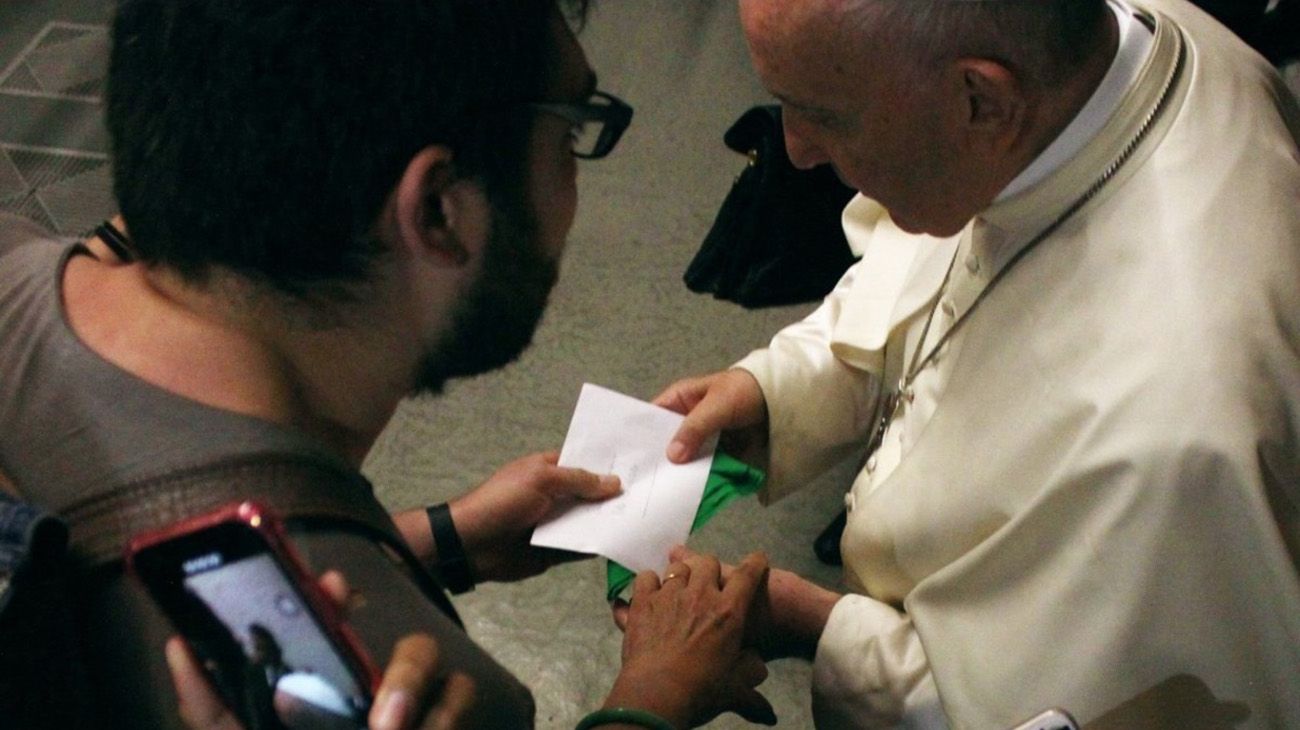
(415, 655)
(535, 471)
(722, 616)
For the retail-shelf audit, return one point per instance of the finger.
(200, 707)
(681, 553)
(683, 395)
(582, 484)
(698, 427)
(705, 572)
(679, 573)
(646, 582)
(335, 586)
(754, 707)
(452, 710)
(340, 591)
(407, 682)
(745, 580)
(727, 570)
(751, 669)
(556, 556)
(620, 610)
(709, 417)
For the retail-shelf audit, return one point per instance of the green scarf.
(729, 479)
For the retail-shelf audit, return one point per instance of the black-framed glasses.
(598, 122)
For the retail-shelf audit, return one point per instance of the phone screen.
(253, 629)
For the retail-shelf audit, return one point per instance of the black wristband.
(452, 566)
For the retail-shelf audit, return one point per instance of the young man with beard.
(329, 206)
(1067, 362)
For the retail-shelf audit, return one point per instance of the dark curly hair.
(264, 136)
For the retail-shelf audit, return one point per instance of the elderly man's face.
(857, 108)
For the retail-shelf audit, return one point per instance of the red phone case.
(268, 525)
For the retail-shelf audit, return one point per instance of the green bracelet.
(625, 715)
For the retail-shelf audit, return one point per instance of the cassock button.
(948, 307)
(973, 264)
(849, 501)
(871, 465)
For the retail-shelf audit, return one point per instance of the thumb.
(582, 484)
(679, 554)
(755, 708)
(336, 587)
(407, 683)
(200, 707)
(701, 424)
(620, 609)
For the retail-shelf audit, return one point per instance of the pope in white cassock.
(1069, 359)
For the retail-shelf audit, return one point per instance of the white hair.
(1043, 41)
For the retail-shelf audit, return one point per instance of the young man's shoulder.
(17, 231)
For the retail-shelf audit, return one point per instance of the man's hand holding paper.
(614, 434)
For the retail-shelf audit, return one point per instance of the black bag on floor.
(777, 237)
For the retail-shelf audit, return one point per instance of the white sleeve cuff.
(871, 670)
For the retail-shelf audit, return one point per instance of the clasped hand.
(787, 614)
(683, 647)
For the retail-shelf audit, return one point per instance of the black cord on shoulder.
(116, 240)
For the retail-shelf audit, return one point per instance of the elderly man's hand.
(683, 649)
(729, 403)
(786, 619)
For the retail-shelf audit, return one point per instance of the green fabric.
(729, 479)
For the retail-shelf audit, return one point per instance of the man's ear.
(426, 206)
(994, 104)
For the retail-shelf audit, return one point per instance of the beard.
(496, 320)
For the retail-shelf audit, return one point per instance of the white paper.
(613, 433)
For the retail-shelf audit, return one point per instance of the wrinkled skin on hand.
(729, 403)
(683, 652)
(786, 618)
(788, 615)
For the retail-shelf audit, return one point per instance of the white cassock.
(1087, 493)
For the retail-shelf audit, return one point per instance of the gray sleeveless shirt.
(70, 421)
(73, 425)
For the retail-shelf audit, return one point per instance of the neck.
(347, 382)
(1045, 113)
(1052, 112)
(229, 346)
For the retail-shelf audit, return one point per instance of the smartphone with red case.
(271, 642)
